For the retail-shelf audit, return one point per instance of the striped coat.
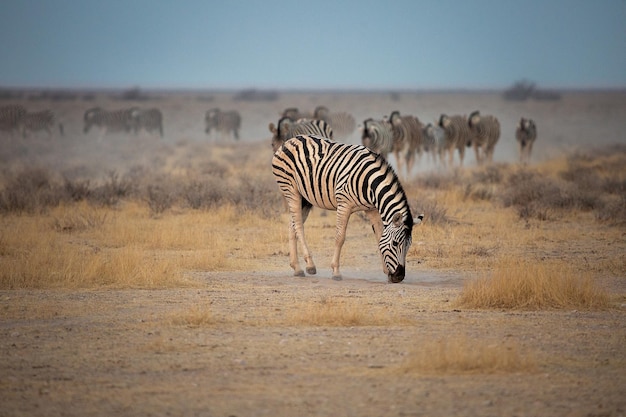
(456, 136)
(407, 137)
(10, 118)
(222, 121)
(39, 121)
(525, 134)
(377, 136)
(110, 121)
(314, 171)
(287, 129)
(485, 133)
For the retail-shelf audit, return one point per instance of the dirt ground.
(100, 353)
(229, 346)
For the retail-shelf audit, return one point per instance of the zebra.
(526, 134)
(407, 136)
(147, 119)
(287, 129)
(485, 133)
(110, 121)
(311, 170)
(38, 121)
(434, 136)
(223, 121)
(456, 136)
(343, 123)
(377, 136)
(10, 118)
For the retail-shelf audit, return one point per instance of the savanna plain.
(147, 275)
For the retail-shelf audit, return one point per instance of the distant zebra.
(377, 136)
(223, 121)
(485, 133)
(347, 178)
(10, 118)
(456, 136)
(434, 137)
(38, 121)
(343, 123)
(147, 119)
(407, 137)
(110, 121)
(287, 129)
(526, 134)
(293, 114)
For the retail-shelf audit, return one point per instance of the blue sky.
(312, 45)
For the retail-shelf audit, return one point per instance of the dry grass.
(517, 284)
(196, 316)
(340, 312)
(457, 355)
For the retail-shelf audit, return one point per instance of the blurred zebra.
(526, 134)
(377, 136)
(293, 114)
(222, 121)
(311, 170)
(109, 121)
(485, 133)
(148, 119)
(434, 137)
(10, 118)
(407, 136)
(343, 123)
(286, 129)
(38, 121)
(456, 136)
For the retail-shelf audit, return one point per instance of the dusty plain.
(240, 336)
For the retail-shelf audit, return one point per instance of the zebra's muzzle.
(397, 275)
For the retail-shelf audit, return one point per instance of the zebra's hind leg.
(299, 212)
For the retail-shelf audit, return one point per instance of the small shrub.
(159, 199)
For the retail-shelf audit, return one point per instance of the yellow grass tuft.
(519, 284)
(196, 316)
(339, 312)
(463, 355)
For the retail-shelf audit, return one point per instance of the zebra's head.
(474, 118)
(395, 243)
(89, 117)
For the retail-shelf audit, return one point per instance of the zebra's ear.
(417, 220)
(272, 128)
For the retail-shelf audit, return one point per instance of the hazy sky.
(312, 44)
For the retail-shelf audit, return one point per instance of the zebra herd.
(127, 120)
(311, 169)
(15, 119)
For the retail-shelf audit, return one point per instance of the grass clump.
(516, 284)
(464, 355)
(338, 312)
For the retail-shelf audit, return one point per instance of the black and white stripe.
(456, 136)
(149, 120)
(407, 137)
(434, 137)
(377, 136)
(109, 121)
(10, 118)
(485, 133)
(287, 129)
(222, 121)
(39, 121)
(525, 134)
(342, 123)
(347, 178)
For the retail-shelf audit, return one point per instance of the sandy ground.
(123, 352)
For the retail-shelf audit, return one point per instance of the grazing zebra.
(10, 117)
(456, 136)
(147, 119)
(485, 132)
(223, 121)
(434, 137)
(407, 136)
(343, 123)
(287, 129)
(526, 134)
(293, 114)
(38, 121)
(377, 136)
(110, 121)
(312, 170)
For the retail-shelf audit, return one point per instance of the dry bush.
(433, 213)
(456, 355)
(518, 284)
(340, 312)
(30, 191)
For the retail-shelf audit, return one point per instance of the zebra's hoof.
(311, 270)
(299, 273)
(337, 278)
